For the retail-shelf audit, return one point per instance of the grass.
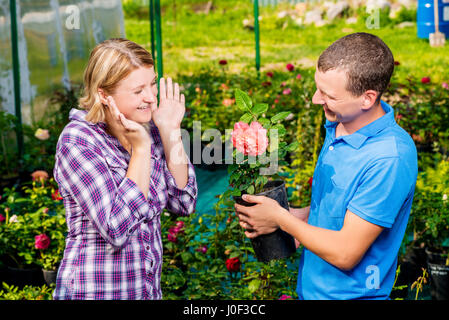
(192, 41)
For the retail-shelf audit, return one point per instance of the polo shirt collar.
(359, 137)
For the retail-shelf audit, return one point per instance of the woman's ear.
(369, 99)
(103, 96)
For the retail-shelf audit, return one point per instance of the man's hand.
(261, 218)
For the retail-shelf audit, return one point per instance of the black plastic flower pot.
(279, 244)
(22, 277)
(439, 274)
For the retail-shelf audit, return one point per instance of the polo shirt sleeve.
(382, 191)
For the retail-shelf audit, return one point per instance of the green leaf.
(243, 100)
(264, 122)
(246, 117)
(254, 285)
(250, 190)
(293, 146)
(260, 108)
(280, 128)
(236, 192)
(280, 116)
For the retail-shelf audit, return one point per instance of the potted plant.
(258, 154)
(429, 221)
(17, 242)
(25, 220)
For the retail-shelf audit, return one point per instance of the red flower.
(269, 74)
(2, 218)
(266, 83)
(41, 242)
(310, 181)
(56, 196)
(285, 297)
(172, 237)
(233, 264)
(396, 63)
(202, 249)
(298, 76)
(425, 80)
(290, 67)
(223, 62)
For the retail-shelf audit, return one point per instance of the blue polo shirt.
(371, 172)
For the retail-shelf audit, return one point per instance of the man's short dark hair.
(366, 59)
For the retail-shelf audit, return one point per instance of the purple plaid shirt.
(114, 246)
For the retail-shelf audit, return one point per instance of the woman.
(119, 163)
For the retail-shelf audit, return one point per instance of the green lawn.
(195, 40)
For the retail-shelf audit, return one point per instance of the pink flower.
(42, 134)
(283, 84)
(228, 102)
(45, 210)
(2, 218)
(290, 67)
(287, 91)
(179, 227)
(172, 237)
(445, 85)
(41, 242)
(298, 76)
(202, 249)
(223, 62)
(269, 74)
(39, 175)
(250, 139)
(425, 80)
(285, 297)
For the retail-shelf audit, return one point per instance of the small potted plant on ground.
(258, 155)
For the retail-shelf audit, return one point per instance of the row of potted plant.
(32, 231)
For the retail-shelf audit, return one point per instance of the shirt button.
(331, 148)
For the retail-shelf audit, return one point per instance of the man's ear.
(103, 96)
(369, 99)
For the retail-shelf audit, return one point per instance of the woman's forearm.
(139, 168)
(176, 157)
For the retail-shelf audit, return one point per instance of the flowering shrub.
(251, 140)
(212, 259)
(32, 231)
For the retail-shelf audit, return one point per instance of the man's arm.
(344, 248)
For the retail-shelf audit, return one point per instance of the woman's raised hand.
(170, 112)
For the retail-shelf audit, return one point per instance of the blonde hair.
(110, 62)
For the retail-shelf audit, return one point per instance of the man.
(363, 183)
